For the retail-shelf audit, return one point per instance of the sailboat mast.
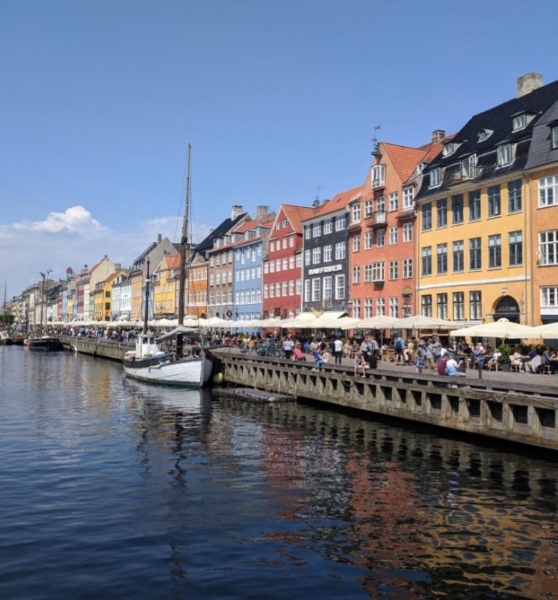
(184, 244)
(4, 311)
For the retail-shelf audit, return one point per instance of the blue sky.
(278, 99)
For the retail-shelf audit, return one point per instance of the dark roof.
(541, 152)
(498, 120)
(207, 243)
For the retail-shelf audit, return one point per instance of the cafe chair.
(545, 370)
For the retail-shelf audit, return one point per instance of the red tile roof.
(296, 214)
(338, 202)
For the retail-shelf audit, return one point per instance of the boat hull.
(163, 370)
(46, 344)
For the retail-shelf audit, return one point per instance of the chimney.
(261, 211)
(236, 211)
(528, 83)
(437, 135)
(159, 238)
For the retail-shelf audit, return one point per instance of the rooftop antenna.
(375, 140)
(317, 198)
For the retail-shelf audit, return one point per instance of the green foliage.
(506, 351)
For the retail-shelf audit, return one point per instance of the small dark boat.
(45, 344)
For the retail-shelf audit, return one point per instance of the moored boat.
(46, 343)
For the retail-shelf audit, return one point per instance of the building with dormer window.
(486, 231)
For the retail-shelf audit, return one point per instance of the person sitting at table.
(545, 358)
(532, 352)
(479, 355)
(493, 360)
(452, 367)
(517, 360)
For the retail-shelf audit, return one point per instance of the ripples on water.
(114, 489)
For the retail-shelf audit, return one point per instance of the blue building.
(249, 249)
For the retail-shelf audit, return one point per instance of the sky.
(279, 100)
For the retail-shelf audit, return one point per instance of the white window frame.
(393, 201)
(340, 287)
(505, 155)
(316, 288)
(548, 191)
(408, 197)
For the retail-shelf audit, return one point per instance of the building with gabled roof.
(382, 231)
(248, 252)
(282, 263)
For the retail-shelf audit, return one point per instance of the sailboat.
(151, 361)
(44, 343)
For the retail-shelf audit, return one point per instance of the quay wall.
(519, 412)
(95, 347)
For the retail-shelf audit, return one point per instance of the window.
(426, 261)
(356, 243)
(307, 232)
(394, 269)
(266, 290)
(266, 268)
(458, 256)
(484, 134)
(316, 289)
(298, 285)
(457, 209)
(341, 223)
(378, 176)
(475, 306)
(475, 254)
(284, 289)
(284, 266)
(316, 255)
(441, 259)
(284, 243)
(494, 206)
(548, 191)
(340, 251)
(458, 306)
(426, 305)
(474, 205)
(378, 271)
(355, 213)
(394, 307)
(514, 196)
(505, 155)
(494, 251)
(368, 273)
(519, 122)
(328, 253)
(368, 240)
(393, 235)
(407, 268)
(272, 246)
(442, 212)
(426, 217)
(340, 287)
(394, 201)
(356, 309)
(408, 197)
(516, 248)
(278, 289)
(548, 247)
(442, 305)
(435, 179)
(368, 209)
(367, 308)
(298, 261)
(554, 137)
(306, 290)
(356, 274)
(291, 244)
(380, 238)
(549, 297)
(380, 306)
(469, 167)
(327, 226)
(328, 289)
(316, 230)
(307, 259)
(381, 204)
(278, 265)
(449, 148)
(407, 232)
(292, 261)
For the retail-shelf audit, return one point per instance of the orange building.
(382, 232)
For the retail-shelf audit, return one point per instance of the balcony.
(377, 219)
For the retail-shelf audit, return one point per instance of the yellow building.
(476, 224)
(165, 284)
(102, 297)
(136, 286)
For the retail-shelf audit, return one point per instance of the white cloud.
(74, 238)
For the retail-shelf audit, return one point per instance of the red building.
(282, 272)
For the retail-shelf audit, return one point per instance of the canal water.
(114, 489)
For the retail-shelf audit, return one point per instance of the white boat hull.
(186, 372)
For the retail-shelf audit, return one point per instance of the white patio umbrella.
(331, 320)
(301, 321)
(377, 322)
(500, 329)
(548, 331)
(423, 322)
